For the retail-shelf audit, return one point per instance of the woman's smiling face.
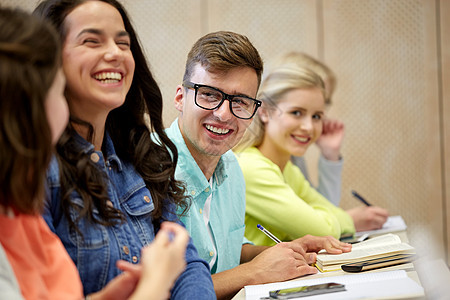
(295, 122)
(97, 59)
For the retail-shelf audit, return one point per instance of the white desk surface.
(409, 268)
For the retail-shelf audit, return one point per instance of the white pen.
(269, 234)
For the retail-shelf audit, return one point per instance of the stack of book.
(377, 247)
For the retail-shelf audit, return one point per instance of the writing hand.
(281, 262)
(368, 217)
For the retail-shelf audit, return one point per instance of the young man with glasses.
(216, 104)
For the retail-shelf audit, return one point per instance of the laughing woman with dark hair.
(110, 185)
(33, 114)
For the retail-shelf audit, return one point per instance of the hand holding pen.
(360, 198)
(367, 217)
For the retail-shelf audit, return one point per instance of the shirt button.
(147, 199)
(201, 211)
(192, 193)
(207, 189)
(126, 250)
(94, 157)
(135, 259)
(211, 253)
(109, 203)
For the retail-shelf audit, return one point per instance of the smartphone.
(376, 263)
(307, 290)
(354, 240)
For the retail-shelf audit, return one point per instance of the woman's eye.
(124, 43)
(90, 41)
(296, 113)
(317, 117)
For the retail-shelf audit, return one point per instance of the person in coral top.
(33, 114)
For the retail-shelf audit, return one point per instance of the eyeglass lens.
(210, 98)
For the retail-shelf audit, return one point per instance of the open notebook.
(377, 285)
(381, 246)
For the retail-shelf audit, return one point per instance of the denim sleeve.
(52, 209)
(195, 282)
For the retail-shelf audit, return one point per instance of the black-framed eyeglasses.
(210, 98)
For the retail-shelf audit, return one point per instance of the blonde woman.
(278, 195)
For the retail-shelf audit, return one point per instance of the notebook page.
(386, 239)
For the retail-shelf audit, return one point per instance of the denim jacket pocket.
(139, 202)
(138, 206)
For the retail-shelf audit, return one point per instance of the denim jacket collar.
(109, 151)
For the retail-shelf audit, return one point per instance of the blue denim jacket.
(95, 254)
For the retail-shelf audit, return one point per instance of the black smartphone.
(354, 240)
(376, 263)
(307, 290)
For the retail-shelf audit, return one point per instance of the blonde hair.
(275, 84)
(303, 60)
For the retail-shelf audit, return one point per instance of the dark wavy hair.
(127, 127)
(29, 60)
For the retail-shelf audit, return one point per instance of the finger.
(177, 233)
(297, 247)
(128, 267)
(299, 257)
(311, 258)
(181, 239)
(306, 269)
(162, 238)
(380, 211)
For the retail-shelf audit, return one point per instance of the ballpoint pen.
(360, 198)
(268, 233)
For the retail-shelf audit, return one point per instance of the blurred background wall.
(392, 60)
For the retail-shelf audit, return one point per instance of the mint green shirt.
(227, 213)
(285, 203)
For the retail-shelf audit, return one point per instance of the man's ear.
(263, 113)
(179, 98)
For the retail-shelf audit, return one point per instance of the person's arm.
(330, 176)
(163, 261)
(195, 282)
(368, 217)
(292, 215)
(330, 161)
(9, 288)
(330, 179)
(278, 263)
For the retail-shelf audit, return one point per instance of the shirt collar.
(186, 165)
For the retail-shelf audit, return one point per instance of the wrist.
(332, 156)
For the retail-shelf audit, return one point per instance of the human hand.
(162, 262)
(330, 141)
(120, 287)
(368, 217)
(316, 243)
(281, 262)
